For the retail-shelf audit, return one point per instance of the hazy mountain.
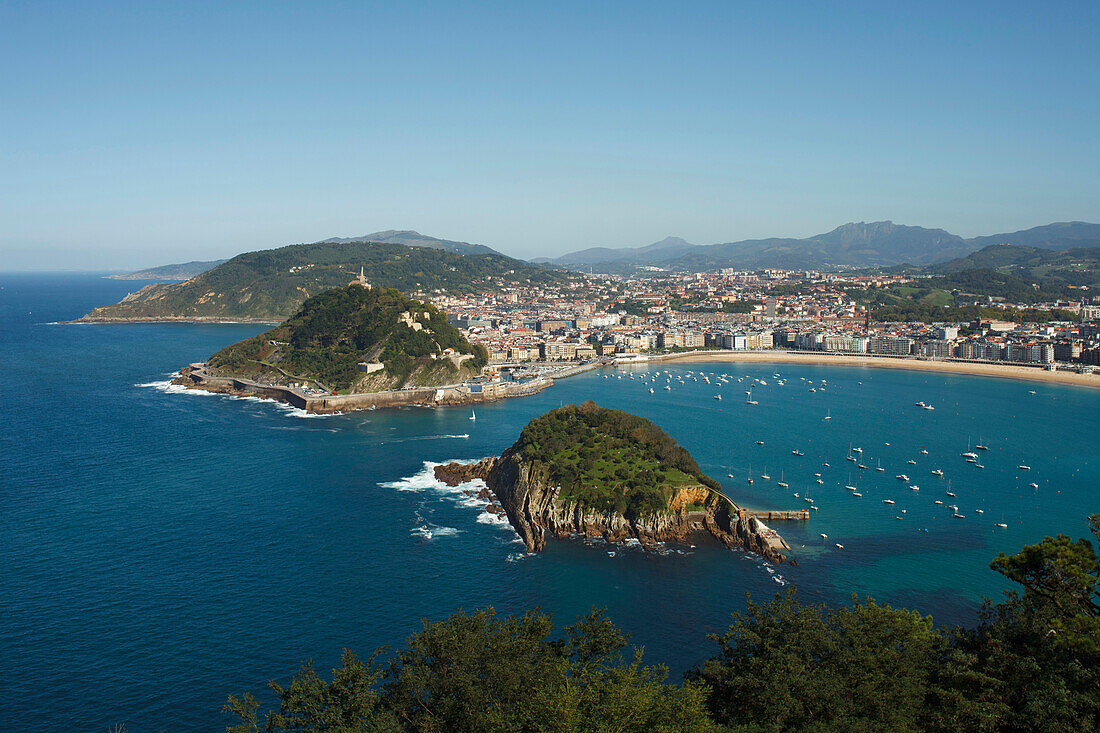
(666, 249)
(410, 238)
(857, 244)
(1060, 235)
(1058, 271)
(272, 284)
(181, 271)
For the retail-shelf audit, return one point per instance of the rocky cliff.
(534, 508)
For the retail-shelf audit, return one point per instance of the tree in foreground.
(478, 672)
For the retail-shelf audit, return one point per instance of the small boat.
(828, 416)
(824, 536)
(937, 472)
(818, 475)
(839, 546)
(784, 485)
(651, 390)
(717, 396)
(920, 404)
(980, 511)
(797, 452)
(826, 465)
(765, 475)
(924, 451)
(887, 501)
(473, 415)
(950, 493)
(1022, 467)
(1033, 485)
(914, 487)
(981, 445)
(857, 450)
(1000, 524)
(820, 481)
(730, 475)
(959, 516)
(937, 501)
(911, 462)
(970, 454)
(978, 465)
(902, 477)
(850, 488)
(929, 407)
(856, 493)
(862, 466)
(760, 442)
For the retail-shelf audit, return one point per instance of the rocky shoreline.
(518, 489)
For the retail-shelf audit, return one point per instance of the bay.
(162, 550)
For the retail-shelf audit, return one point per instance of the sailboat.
(473, 415)
(981, 445)
(828, 416)
(765, 475)
(782, 484)
(749, 400)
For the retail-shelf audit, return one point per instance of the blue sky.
(144, 133)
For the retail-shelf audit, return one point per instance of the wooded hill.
(609, 460)
(272, 284)
(334, 331)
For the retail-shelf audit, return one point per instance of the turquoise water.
(163, 550)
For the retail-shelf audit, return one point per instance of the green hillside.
(609, 460)
(1059, 272)
(334, 331)
(272, 284)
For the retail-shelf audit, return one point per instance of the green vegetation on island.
(332, 333)
(272, 284)
(1032, 664)
(609, 460)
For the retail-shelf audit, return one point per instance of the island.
(357, 347)
(586, 470)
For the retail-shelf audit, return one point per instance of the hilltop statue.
(361, 281)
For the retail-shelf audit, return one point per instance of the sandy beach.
(1004, 371)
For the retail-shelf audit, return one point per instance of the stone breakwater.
(196, 376)
(534, 507)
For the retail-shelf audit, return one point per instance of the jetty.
(196, 376)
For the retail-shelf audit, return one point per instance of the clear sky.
(136, 134)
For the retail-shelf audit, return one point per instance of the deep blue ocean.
(163, 550)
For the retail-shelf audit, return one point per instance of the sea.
(163, 548)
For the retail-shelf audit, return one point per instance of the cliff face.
(535, 509)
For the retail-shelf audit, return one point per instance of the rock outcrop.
(535, 509)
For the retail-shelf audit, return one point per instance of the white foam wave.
(168, 387)
(429, 532)
(425, 480)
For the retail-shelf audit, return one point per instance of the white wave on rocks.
(168, 387)
(424, 480)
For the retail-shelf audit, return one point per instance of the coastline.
(195, 377)
(979, 369)
(162, 319)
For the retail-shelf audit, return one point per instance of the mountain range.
(857, 244)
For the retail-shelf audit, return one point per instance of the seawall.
(195, 376)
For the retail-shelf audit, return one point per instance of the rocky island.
(352, 348)
(591, 471)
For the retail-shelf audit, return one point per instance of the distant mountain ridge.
(180, 271)
(411, 238)
(856, 244)
(270, 285)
